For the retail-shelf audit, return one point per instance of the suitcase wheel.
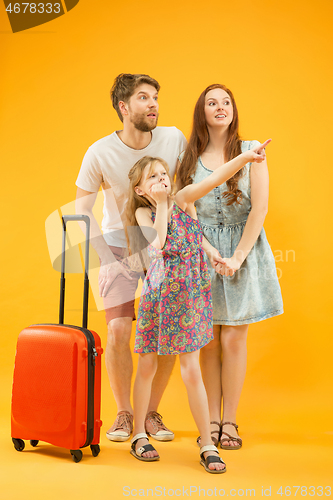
(34, 442)
(76, 455)
(95, 449)
(19, 444)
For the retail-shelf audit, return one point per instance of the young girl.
(175, 313)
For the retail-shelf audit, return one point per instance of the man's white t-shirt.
(108, 162)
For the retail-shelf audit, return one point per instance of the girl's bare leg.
(147, 366)
(234, 349)
(211, 366)
(191, 375)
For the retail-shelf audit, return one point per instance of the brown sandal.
(230, 438)
(214, 439)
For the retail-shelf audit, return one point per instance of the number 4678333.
(33, 8)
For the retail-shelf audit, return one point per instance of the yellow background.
(54, 88)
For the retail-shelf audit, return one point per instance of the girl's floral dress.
(175, 311)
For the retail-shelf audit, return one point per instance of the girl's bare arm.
(192, 192)
(143, 216)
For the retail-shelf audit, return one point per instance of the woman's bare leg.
(234, 349)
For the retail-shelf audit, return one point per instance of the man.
(107, 163)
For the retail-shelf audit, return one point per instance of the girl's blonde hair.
(136, 241)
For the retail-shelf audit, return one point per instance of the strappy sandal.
(214, 439)
(210, 459)
(143, 449)
(230, 438)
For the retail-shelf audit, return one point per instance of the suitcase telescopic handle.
(65, 219)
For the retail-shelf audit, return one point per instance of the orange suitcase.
(57, 378)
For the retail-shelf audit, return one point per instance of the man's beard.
(140, 122)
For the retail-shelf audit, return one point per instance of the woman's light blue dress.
(253, 293)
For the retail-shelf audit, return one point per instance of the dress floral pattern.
(175, 312)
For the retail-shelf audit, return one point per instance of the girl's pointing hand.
(258, 154)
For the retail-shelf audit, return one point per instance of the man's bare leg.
(165, 366)
(118, 360)
(160, 381)
(119, 365)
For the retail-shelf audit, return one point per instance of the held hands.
(228, 267)
(223, 266)
(215, 257)
(257, 154)
(158, 192)
(107, 275)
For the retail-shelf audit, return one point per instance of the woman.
(245, 287)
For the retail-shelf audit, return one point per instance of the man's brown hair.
(125, 85)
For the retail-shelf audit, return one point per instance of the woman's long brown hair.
(199, 140)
